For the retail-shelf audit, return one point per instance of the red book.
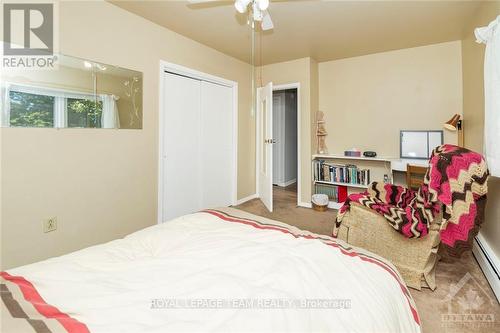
(342, 196)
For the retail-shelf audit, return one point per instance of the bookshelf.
(353, 158)
(372, 169)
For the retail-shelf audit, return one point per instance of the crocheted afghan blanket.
(455, 183)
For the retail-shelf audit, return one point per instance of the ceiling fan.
(257, 10)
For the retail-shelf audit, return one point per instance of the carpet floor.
(463, 300)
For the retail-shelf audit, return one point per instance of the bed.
(215, 270)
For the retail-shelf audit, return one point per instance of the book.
(342, 194)
(340, 173)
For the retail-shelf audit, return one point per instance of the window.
(490, 35)
(30, 110)
(42, 107)
(84, 113)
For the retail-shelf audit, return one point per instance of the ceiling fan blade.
(267, 23)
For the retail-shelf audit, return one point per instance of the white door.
(181, 149)
(217, 145)
(198, 158)
(265, 144)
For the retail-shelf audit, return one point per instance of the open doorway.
(285, 134)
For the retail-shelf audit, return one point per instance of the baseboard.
(305, 204)
(489, 263)
(288, 183)
(243, 200)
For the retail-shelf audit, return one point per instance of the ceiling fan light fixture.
(267, 23)
(257, 15)
(263, 4)
(241, 5)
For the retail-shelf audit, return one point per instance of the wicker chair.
(415, 258)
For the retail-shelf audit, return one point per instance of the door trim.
(188, 72)
(294, 85)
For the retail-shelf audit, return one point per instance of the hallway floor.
(431, 305)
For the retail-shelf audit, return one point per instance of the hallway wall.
(285, 134)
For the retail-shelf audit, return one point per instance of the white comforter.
(221, 276)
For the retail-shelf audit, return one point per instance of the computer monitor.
(419, 144)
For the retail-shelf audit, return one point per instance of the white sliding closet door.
(217, 154)
(181, 146)
(198, 146)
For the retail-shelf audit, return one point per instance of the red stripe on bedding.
(351, 253)
(31, 295)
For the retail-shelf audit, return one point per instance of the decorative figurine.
(321, 133)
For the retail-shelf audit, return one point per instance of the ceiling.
(324, 30)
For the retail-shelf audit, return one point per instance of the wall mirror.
(77, 93)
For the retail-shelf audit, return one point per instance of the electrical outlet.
(50, 224)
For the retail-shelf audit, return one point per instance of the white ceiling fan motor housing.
(241, 5)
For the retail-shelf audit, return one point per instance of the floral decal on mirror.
(131, 91)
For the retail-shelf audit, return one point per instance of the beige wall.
(292, 72)
(367, 100)
(102, 184)
(473, 62)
